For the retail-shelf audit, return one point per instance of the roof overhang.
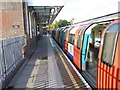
(45, 12)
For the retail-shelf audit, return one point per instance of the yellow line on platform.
(68, 71)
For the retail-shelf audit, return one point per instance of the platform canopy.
(46, 10)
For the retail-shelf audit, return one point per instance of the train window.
(73, 35)
(60, 37)
(65, 36)
(65, 32)
(80, 36)
(79, 39)
(109, 46)
(69, 28)
(71, 38)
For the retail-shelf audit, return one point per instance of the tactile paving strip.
(71, 80)
(41, 80)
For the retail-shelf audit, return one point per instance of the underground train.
(94, 48)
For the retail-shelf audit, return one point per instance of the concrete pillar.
(30, 26)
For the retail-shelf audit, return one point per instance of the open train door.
(78, 45)
(108, 72)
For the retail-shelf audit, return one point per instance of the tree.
(60, 23)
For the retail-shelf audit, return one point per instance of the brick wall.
(11, 19)
(11, 40)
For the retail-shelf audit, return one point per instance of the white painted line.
(80, 76)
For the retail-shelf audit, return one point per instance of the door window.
(71, 38)
(109, 44)
(80, 36)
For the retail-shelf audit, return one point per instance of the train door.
(108, 75)
(71, 42)
(53, 34)
(90, 50)
(63, 37)
(66, 40)
(77, 49)
(56, 33)
(60, 36)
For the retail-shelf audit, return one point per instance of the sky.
(46, 2)
(81, 10)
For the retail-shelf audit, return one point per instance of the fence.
(10, 57)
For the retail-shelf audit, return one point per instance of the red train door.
(66, 40)
(76, 49)
(78, 44)
(108, 73)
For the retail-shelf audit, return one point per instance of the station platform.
(48, 67)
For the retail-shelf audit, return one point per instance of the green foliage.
(62, 23)
(58, 24)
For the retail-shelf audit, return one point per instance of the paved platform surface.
(47, 68)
